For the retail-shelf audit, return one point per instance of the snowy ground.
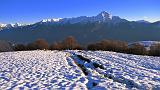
(78, 70)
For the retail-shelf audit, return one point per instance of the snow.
(146, 44)
(101, 17)
(122, 71)
(105, 15)
(96, 70)
(38, 70)
(142, 21)
(52, 20)
(2, 25)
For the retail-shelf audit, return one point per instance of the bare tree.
(38, 44)
(155, 50)
(109, 45)
(56, 46)
(70, 43)
(137, 48)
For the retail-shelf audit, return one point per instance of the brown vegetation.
(70, 43)
(109, 45)
(5, 46)
(38, 44)
(20, 47)
(56, 46)
(155, 50)
(138, 49)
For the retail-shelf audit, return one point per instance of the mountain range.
(85, 29)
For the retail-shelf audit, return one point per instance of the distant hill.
(84, 29)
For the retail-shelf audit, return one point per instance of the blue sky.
(30, 11)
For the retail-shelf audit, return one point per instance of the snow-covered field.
(76, 70)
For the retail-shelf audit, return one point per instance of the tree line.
(70, 43)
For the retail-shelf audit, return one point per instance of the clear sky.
(30, 11)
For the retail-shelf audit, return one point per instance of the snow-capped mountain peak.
(105, 15)
(52, 20)
(101, 17)
(142, 21)
(2, 25)
(17, 25)
(13, 25)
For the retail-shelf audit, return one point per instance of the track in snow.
(65, 70)
(130, 71)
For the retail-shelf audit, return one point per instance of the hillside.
(78, 70)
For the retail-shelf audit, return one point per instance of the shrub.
(19, 47)
(38, 44)
(138, 49)
(70, 43)
(117, 46)
(56, 46)
(5, 46)
(109, 45)
(31, 46)
(91, 47)
(155, 50)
